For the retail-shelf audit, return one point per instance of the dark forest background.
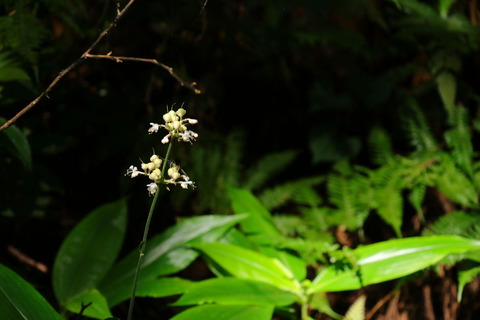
(311, 78)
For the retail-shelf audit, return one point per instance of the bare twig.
(190, 86)
(379, 304)
(86, 55)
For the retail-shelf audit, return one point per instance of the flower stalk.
(155, 170)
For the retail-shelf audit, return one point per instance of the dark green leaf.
(20, 301)
(89, 251)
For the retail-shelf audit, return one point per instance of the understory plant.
(258, 272)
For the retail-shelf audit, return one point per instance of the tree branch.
(119, 59)
(85, 55)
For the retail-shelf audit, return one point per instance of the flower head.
(176, 125)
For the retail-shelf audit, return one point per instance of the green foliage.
(349, 269)
(16, 143)
(22, 31)
(85, 257)
(20, 301)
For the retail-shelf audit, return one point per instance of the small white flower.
(152, 188)
(188, 136)
(133, 171)
(187, 182)
(165, 139)
(192, 121)
(153, 127)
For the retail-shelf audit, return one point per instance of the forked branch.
(84, 56)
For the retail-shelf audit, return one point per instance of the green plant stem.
(145, 235)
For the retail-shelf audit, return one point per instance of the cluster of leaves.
(255, 278)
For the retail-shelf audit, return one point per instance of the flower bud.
(150, 166)
(153, 158)
(158, 163)
(176, 124)
(181, 112)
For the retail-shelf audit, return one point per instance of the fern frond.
(267, 167)
(417, 127)
(380, 146)
(388, 184)
(453, 183)
(356, 310)
(279, 195)
(459, 140)
(24, 34)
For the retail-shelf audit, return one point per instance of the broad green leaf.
(259, 220)
(164, 287)
(20, 301)
(234, 291)
(97, 305)
(12, 74)
(296, 265)
(390, 260)
(165, 254)
(219, 312)
(89, 251)
(247, 264)
(18, 144)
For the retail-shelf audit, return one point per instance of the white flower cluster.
(176, 126)
(153, 171)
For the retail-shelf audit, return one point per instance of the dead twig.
(119, 59)
(83, 57)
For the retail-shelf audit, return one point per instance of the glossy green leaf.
(89, 251)
(296, 265)
(164, 287)
(97, 305)
(259, 220)
(165, 254)
(220, 312)
(390, 260)
(234, 291)
(247, 264)
(17, 143)
(20, 301)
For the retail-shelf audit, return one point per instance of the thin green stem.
(145, 235)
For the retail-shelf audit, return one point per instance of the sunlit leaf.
(234, 291)
(96, 303)
(391, 259)
(165, 254)
(219, 312)
(247, 264)
(259, 220)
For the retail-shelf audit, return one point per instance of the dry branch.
(86, 55)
